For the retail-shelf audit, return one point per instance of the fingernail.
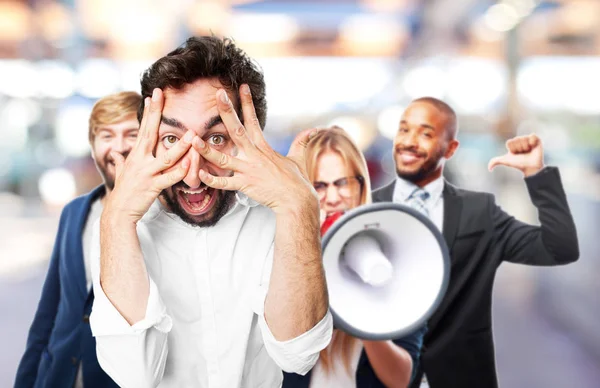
(200, 143)
(188, 137)
(146, 101)
(155, 95)
(313, 133)
(224, 97)
(246, 89)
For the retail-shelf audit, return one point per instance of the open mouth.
(198, 201)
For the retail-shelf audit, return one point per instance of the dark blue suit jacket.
(60, 337)
(365, 375)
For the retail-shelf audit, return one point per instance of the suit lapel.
(76, 241)
(452, 211)
(385, 193)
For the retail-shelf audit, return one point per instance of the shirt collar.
(403, 189)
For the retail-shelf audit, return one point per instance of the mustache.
(411, 150)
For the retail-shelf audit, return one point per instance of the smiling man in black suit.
(458, 349)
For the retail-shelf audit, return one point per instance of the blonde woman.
(339, 174)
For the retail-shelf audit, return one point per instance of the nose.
(408, 140)
(120, 145)
(192, 179)
(332, 196)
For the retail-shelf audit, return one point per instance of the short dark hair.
(207, 57)
(452, 127)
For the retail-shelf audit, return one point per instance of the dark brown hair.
(207, 57)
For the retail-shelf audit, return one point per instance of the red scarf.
(329, 221)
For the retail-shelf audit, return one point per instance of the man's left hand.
(279, 182)
(525, 153)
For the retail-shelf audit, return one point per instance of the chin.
(411, 175)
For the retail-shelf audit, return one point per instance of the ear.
(451, 149)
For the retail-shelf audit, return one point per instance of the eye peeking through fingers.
(169, 141)
(217, 140)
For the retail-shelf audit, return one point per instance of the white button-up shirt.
(204, 323)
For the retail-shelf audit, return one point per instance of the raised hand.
(141, 178)
(279, 182)
(525, 153)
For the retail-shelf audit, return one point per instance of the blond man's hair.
(335, 139)
(113, 109)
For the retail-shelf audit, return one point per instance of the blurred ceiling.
(142, 29)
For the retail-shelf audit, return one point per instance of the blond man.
(60, 350)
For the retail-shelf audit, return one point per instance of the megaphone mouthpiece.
(363, 256)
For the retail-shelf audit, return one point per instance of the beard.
(103, 168)
(222, 203)
(426, 169)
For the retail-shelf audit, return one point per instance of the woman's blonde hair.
(335, 139)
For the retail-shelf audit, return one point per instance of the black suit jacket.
(458, 348)
(365, 375)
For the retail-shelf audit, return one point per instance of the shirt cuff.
(299, 354)
(105, 319)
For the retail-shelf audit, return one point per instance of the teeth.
(194, 191)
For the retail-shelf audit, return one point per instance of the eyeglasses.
(346, 186)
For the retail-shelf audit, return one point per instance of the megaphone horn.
(387, 268)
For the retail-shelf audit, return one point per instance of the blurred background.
(508, 67)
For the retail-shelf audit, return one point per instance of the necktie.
(417, 199)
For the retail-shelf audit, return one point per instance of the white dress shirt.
(204, 323)
(93, 215)
(434, 204)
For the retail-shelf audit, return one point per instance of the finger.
(173, 154)
(298, 147)
(514, 146)
(250, 120)
(142, 128)
(237, 131)
(504, 160)
(118, 160)
(533, 140)
(219, 182)
(150, 133)
(218, 158)
(172, 176)
(526, 148)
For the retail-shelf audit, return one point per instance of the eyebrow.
(172, 122)
(422, 125)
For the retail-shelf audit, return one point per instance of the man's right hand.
(141, 178)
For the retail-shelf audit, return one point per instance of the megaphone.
(387, 268)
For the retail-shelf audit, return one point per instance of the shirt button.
(74, 360)
(86, 318)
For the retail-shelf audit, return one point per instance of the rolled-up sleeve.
(299, 354)
(132, 355)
